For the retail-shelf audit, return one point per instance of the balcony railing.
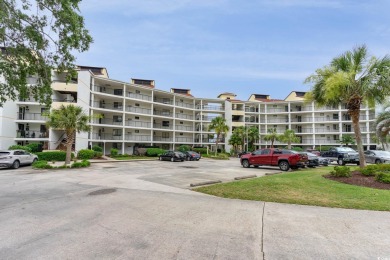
(162, 113)
(31, 134)
(304, 130)
(184, 139)
(162, 139)
(276, 110)
(284, 120)
(184, 104)
(205, 118)
(327, 130)
(184, 128)
(205, 140)
(212, 108)
(139, 96)
(160, 126)
(108, 121)
(31, 116)
(111, 91)
(139, 110)
(65, 100)
(166, 101)
(28, 99)
(184, 116)
(106, 136)
(139, 138)
(303, 119)
(142, 124)
(113, 106)
(251, 109)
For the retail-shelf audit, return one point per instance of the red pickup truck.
(285, 159)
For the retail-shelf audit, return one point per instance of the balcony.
(108, 121)
(138, 138)
(31, 134)
(184, 128)
(139, 96)
(300, 120)
(205, 118)
(183, 104)
(110, 91)
(162, 139)
(162, 113)
(113, 106)
(106, 136)
(327, 130)
(304, 130)
(281, 120)
(57, 103)
(62, 86)
(211, 108)
(161, 126)
(184, 116)
(31, 117)
(29, 99)
(251, 109)
(166, 101)
(276, 110)
(139, 110)
(184, 139)
(142, 124)
(326, 119)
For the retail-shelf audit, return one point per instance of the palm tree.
(289, 137)
(253, 136)
(71, 119)
(382, 126)
(271, 136)
(353, 79)
(218, 124)
(347, 139)
(235, 140)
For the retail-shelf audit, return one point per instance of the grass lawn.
(306, 187)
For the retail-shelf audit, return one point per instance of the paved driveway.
(143, 210)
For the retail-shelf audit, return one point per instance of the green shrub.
(325, 148)
(114, 152)
(383, 177)
(383, 167)
(86, 154)
(341, 171)
(97, 148)
(35, 147)
(184, 148)
(82, 164)
(41, 165)
(298, 149)
(19, 147)
(97, 155)
(200, 150)
(152, 152)
(52, 156)
(369, 170)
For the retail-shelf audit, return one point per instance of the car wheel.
(377, 161)
(172, 159)
(35, 160)
(340, 161)
(284, 166)
(15, 165)
(245, 164)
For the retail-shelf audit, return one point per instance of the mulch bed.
(359, 179)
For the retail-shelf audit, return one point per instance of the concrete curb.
(115, 161)
(272, 173)
(245, 177)
(204, 183)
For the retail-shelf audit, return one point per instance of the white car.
(15, 158)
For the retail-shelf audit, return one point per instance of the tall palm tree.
(71, 119)
(218, 124)
(353, 78)
(253, 136)
(271, 136)
(235, 140)
(289, 137)
(382, 126)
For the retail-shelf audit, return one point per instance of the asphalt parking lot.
(145, 210)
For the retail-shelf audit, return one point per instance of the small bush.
(41, 165)
(298, 149)
(114, 152)
(184, 148)
(97, 148)
(86, 154)
(97, 155)
(19, 147)
(153, 152)
(200, 150)
(140, 151)
(369, 170)
(35, 147)
(341, 171)
(82, 164)
(383, 177)
(383, 167)
(52, 156)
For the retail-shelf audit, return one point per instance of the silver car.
(377, 156)
(15, 158)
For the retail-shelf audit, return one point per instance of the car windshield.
(345, 149)
(311, 154)
(4, 153)
(382, 153)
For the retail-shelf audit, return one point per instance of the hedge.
(97, 148)
(200, 150)
(53, 156)
(152, 152)
(85, 154)
(19, 147)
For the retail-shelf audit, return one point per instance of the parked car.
(192, 156)
(242, 153)
(321, 160)
(172, 156)
(377, 156)
(342, 155)
(15, 158)
(285, 159)
(312, 160)
(316, 152)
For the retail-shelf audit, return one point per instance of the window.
(137, 92)
(265, 152)
(335, 137)
(118, 92)
(136, 118)
(165, 135)
(181, 111)
(117, 132)
(348, 128)
(335, 127)
(322, 114)
(181, 123)
(136, 104)
(117, 119)
(136, 131)
(43, 110)
(335, 116)
(165, 123)
(275, 106)
(117, 105)
(181, 133)
(166, 100)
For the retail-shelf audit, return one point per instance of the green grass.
(306, 187)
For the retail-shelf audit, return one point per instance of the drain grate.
(189, 167)
(101, 192)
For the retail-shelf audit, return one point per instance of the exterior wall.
(83, 100)
(8, 114)
(293, 97)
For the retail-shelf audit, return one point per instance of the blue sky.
(215, 46)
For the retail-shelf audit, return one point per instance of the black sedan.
(172, 156)
(313, 160)
(321, 160)
(377, 156)
(192, 156)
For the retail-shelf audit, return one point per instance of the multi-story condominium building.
(137, 114)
